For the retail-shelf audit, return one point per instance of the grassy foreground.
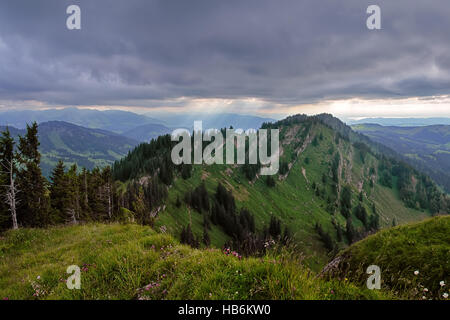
(135, 262)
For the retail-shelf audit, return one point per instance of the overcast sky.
(248, 56)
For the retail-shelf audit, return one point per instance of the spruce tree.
(59, 197)
(346, 201)
(34, 203)
(350, 231)
(206, 239)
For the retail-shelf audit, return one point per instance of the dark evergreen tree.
(59, 194)
(178, 202)
(206, 240)
(274, 227)
(34, 203)
(346, 201)
(350, 231)
(73, 191)
(361, 213)
(284, 167)
(325, 238)
(270, 181)
(374, 222)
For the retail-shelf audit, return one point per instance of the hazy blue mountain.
(402, 122)
(75, 144)
(137, 126)
(426, 147)
(147, 132)
(112, 120)
(215, 120)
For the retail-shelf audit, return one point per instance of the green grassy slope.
(293, 199)
(399, 252)
(135, 262)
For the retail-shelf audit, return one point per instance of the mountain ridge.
(403, 121)
(321, 169)
(71, 143)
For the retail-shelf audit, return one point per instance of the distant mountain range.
(402, 122)
(425, 147)
(141, 127)
(112, 120)
(93, 138)
(75, 144)
(147, 132)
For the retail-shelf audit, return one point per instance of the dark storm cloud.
(281, 51)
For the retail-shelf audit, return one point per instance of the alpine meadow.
(210, 159)
(145, 213)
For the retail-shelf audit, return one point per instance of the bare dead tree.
(108, 190)
(72, 215)
(109, 200)
(11, 193)
(86, 200)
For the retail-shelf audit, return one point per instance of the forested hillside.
(331, 190)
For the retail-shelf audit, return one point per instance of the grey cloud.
(287, 51)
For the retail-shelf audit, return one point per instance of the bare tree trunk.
(86, 201)
(12, 190)
(72, 215)
(109, 204)
(108, 188)
(77, 202)
(11, 200)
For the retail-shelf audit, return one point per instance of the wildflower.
(416, 272)
(442, 283)
(38, 277)
(423, 297)
(5, 298)
(425, 290)
(332, 292)
(445, 295)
